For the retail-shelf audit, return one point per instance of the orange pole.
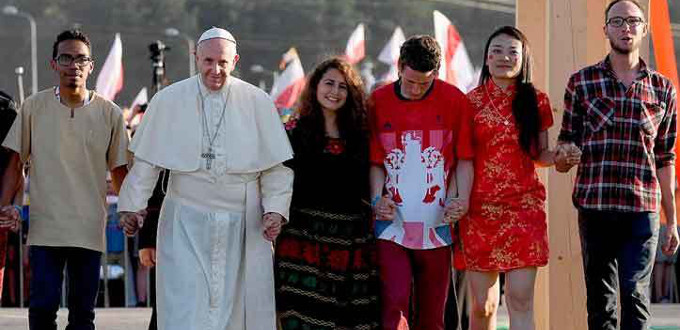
(662, 38)
(664, 53)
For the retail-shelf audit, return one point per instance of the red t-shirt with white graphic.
(418, 143)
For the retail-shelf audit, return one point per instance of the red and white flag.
(288, 86)
(110, 79)
(456, 67)
(356, 45)
(141, 99)
(390, 55)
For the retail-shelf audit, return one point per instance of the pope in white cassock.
(227, 197)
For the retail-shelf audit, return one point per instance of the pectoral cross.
(209, 156)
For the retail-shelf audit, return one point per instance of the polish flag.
(456, 67)
(390, 55)
(289, 84)
(141, 98)
(356, 45)
(110, 79)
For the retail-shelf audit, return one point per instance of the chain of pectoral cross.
(210, 155)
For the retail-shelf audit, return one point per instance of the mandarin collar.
(495, 89)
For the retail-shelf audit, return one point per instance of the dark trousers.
(153, 322)
(82, 268)
(618, 255)
(456, 314)
(3, 254)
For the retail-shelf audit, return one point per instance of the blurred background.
(265, 31)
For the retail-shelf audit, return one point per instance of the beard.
(620, 50)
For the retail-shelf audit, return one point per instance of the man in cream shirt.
(72, 136)
(227, 196)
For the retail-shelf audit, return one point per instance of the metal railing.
(128, 276)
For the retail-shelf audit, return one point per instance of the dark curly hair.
(525, 103)
(73, 34)
(351, 118)
(420, 53)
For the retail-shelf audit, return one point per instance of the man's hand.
(272, 222)
(670, 240)
(566, 156)
(385, 209)
(147, 257)
(455, 209)
(131, 222)
(10, 218)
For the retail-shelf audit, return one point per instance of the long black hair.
(525, 103)
(351, 118)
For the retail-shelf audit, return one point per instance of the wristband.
(19, 209)
(375, 200)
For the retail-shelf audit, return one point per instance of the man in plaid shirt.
(619, 126)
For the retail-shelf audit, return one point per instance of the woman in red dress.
(505, 228)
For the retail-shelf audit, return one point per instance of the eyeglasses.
(66, 60)
(632, 21)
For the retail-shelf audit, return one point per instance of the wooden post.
(532, 14)
(576, 40)
(645, 48)
(570, 41)
(597, 43)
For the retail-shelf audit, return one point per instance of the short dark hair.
(420, 53)
(611, 4)
(73, 34)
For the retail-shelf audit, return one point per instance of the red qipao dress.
(505, 227)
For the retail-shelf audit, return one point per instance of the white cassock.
(214, 267)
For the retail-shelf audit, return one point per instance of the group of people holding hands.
(347, 215)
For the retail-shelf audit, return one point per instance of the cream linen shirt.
(70, 152)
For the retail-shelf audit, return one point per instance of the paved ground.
(107, 319)
(666, 317)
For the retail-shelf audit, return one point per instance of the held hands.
(670, 240)
(385, 208)
(131, 221)
(455, 209)
(147, 257)
(566, 156)
(272, 222)
(10, 218)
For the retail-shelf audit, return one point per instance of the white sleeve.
(138, 186)
(276, 184)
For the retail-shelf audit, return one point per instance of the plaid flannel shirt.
(625, 135)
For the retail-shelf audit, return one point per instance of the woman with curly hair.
(325, 274)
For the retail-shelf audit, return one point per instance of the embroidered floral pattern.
(505, 228)
(335, 146)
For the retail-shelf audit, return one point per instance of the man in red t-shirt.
(415, 149)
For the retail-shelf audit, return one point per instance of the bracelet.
(375, 200)
(19, 209)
